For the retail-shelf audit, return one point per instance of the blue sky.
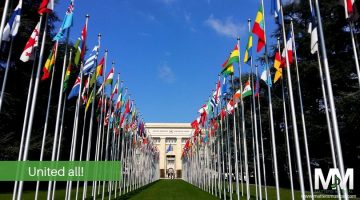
(168, 52)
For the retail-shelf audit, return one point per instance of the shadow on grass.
(135, 192)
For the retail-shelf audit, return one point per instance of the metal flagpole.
(33, 102)
(302, 113)
(46, 117)
(292, 109)
(3, 18)
(235, 143)
(287, 134)
(331, 98)
(28, 99)
(262, 143)
(229, 156)
(6, 73)
(255, 124)
(356, 58)
(253, 150)
(244, 134)
(53, 155)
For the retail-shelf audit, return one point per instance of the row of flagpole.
(124, 125)
(193, 152)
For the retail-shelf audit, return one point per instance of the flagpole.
(3, 18)
(331, 98)
(292, 109)
(255, 124)
(33, 102)
(244, 132)
(28, 99)
(287, 136)
(356, 58)
(46, 117)
(262, 143)
(6, 73)
(302, 113)
(253, 150)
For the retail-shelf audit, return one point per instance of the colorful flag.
(350, 9)
(275, 10)
(80, 52)
(257, 86)
(12, 27)
(75, 89)
(115, 90)
(108, 80)
(85, 90)
(265, 76)
(31, 43)
(91, 98)
(67, 77)
(234, 58)
(248, 50)
(258, 28)
(89, 64)
(289, 48)
(99, 68)
(237, 96)
(277, 65)
(247, 90)
(46, 6)
(170, 148)
(49, 64)
(67, 23)
(230, 106)
(224, 87)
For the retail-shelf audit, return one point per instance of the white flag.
(31, 43)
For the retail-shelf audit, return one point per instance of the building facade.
(170, 139)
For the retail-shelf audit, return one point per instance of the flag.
(350, 9)
(257, 87)
(91, 98)
(79, 54)
(234, 57)
(289, 48)
(31, 43)
(89, 64)
(115, 90)
(247, 90)
(118, 101)
(108, 80)
(67, 22)
(313, 32)
(265, 76)
(224, 87)
(49, 64)
(12, 27)
(170, 148)
(46, 6)
(99, 68)
(75, 89)
(67, 76)
(277, 66)
(248, 50)
(86, 88)
(275, 10)
(237, 96)
(258, 28)
(227, 71)
(218, 92)
(230, 106)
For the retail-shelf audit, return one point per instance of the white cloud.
(165, 73)
(227, 27)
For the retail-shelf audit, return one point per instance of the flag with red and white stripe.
(31, 44)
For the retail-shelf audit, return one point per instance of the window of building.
(170, 140)
(156, 140)
(183, 140)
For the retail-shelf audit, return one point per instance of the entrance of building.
(170, 166)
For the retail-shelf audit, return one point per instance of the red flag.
(31, 43)
(46, 6)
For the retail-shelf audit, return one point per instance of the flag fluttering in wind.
(227, 66)
(258, 28)
(99, 68)
(289, 48)
(86, 88)
(108, 80)
(351, 11)
(67, 77)
(266, 77)
(46, 6)
(80, 51)
(67, 22)
(277, 65)
(31, 44)
(75, 89)
(248, 50)
(115, 90)
(12, 27)
(275, 10)
(49, 64)
(170, 148)
(313, 31)
(89, 64)
(247, 90)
